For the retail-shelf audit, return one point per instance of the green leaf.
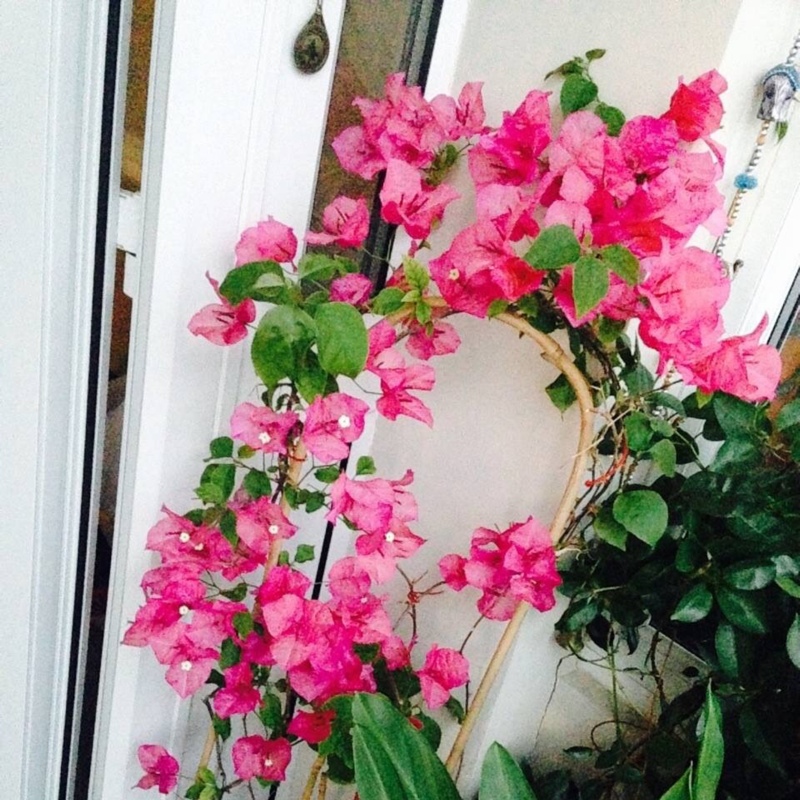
(236, 593)
(757, 743)
(229, 654)
(589, 284)
(576, 93)
(665, 456)
(622, 262)
(595, 53)
(667, 400)
(393, 761)
(245, 452)
(681, 789)
(341, 339)
(553, 248)
(725, 644)
(712, 751)
(638, 379)
(315, 501)
(561, 393)
(497, 307)
(789, 586)
(750, 576)
(318, 267)
(271, 713)
(260, 280)
(454, 706)
(312, 380)
(327, 474)
(789, 415)
(638, 431)
(574, 65)
(243, 622)
(388, 301)
(280, 344)
(579, 614)
(737, 417)
(643, 512)
(365, 466)
(613, 118)
(227, 526)
(305, 552)
(746, 610)
(609, 530)
(221, 447)
(216, 483)
(257, 484)
(416, 275)
(501, 777)
(793, 641)
(694, 605)
(739, 454)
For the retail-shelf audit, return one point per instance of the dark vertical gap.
(788, 313)
(87, 535)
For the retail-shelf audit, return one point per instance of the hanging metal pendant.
(312, 45)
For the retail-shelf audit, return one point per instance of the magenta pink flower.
(442, 340)
(696, 108)
(443, 671)
(280, 581)
(266, 241)
(739, 366)
(190, 667)
(160, 768)
(257, 757)
(353, 289)
(464, 117)
(222, 323)
(481, 267)
(332, 423)
(261, 522)
(357, 153)
(366, 504)
(238, 696)
(262, 428)
(510, 209)
(345, 222)
(397, 381)
(509, 567)
(312, 726)
(407, 201)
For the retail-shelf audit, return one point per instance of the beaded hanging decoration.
(779, 86)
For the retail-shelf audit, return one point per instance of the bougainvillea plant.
(581, 225)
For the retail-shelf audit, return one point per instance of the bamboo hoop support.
(553, 353)
(308, 791)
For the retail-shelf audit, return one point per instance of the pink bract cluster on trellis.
(594, 224)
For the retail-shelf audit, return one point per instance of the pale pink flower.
(312, 726)
(695, 107)
(261, 428)
(238, 696)
(443, 671)
(509, 208)
(345, 222)
(397, 380)
(190, 668)
(366, 504)
(357, 153)
(261, 522)
(222, 323)
(269, 240)
(407, 201)
(396, 653)
(161, 769)
(257, 757)
(739, 366)
(353, 289)
(332, 423)
(441, 340)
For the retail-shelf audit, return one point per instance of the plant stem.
(297, 456)
(208, 748)
(319, 761)
(552, 352)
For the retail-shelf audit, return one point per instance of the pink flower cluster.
(514, 566)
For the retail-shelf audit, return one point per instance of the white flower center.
(273, 529)
(364, 600)
(199, 547)
(186, 665)
(264, 437)
(454, 274)
(267, 762)
(344, 421)
(389, 537)
(184, 537)
(183, 610)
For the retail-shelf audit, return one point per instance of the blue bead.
(744, 181)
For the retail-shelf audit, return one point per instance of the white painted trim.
(52, 99)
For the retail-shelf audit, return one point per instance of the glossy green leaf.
(501, 777)
(305, 552)
(279, 346)
(643, 512)
(416, 274)
(260, 280)
(388, 300)
(609, 530)
(318, 267)
(746, 610)
(365, 466)
(589, 284)
(257, 484)
(561, 393)
(393, 761)
(577, 92)
(681, 789)
(665, 456)
(750, 576)
(327, 474)
(792, 588)
(341, 339)
(727, 649)
(311, 379)
(612, 116)
(793, 641)
(221, 447)
(712, 751)
(553, 248)
(216, 483)
(622, 262)
(694, 605)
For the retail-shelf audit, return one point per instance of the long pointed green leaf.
(393, 760)
(712, 751)
(501, 777)
(681, 789)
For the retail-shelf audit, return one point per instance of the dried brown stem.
(553, 353)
